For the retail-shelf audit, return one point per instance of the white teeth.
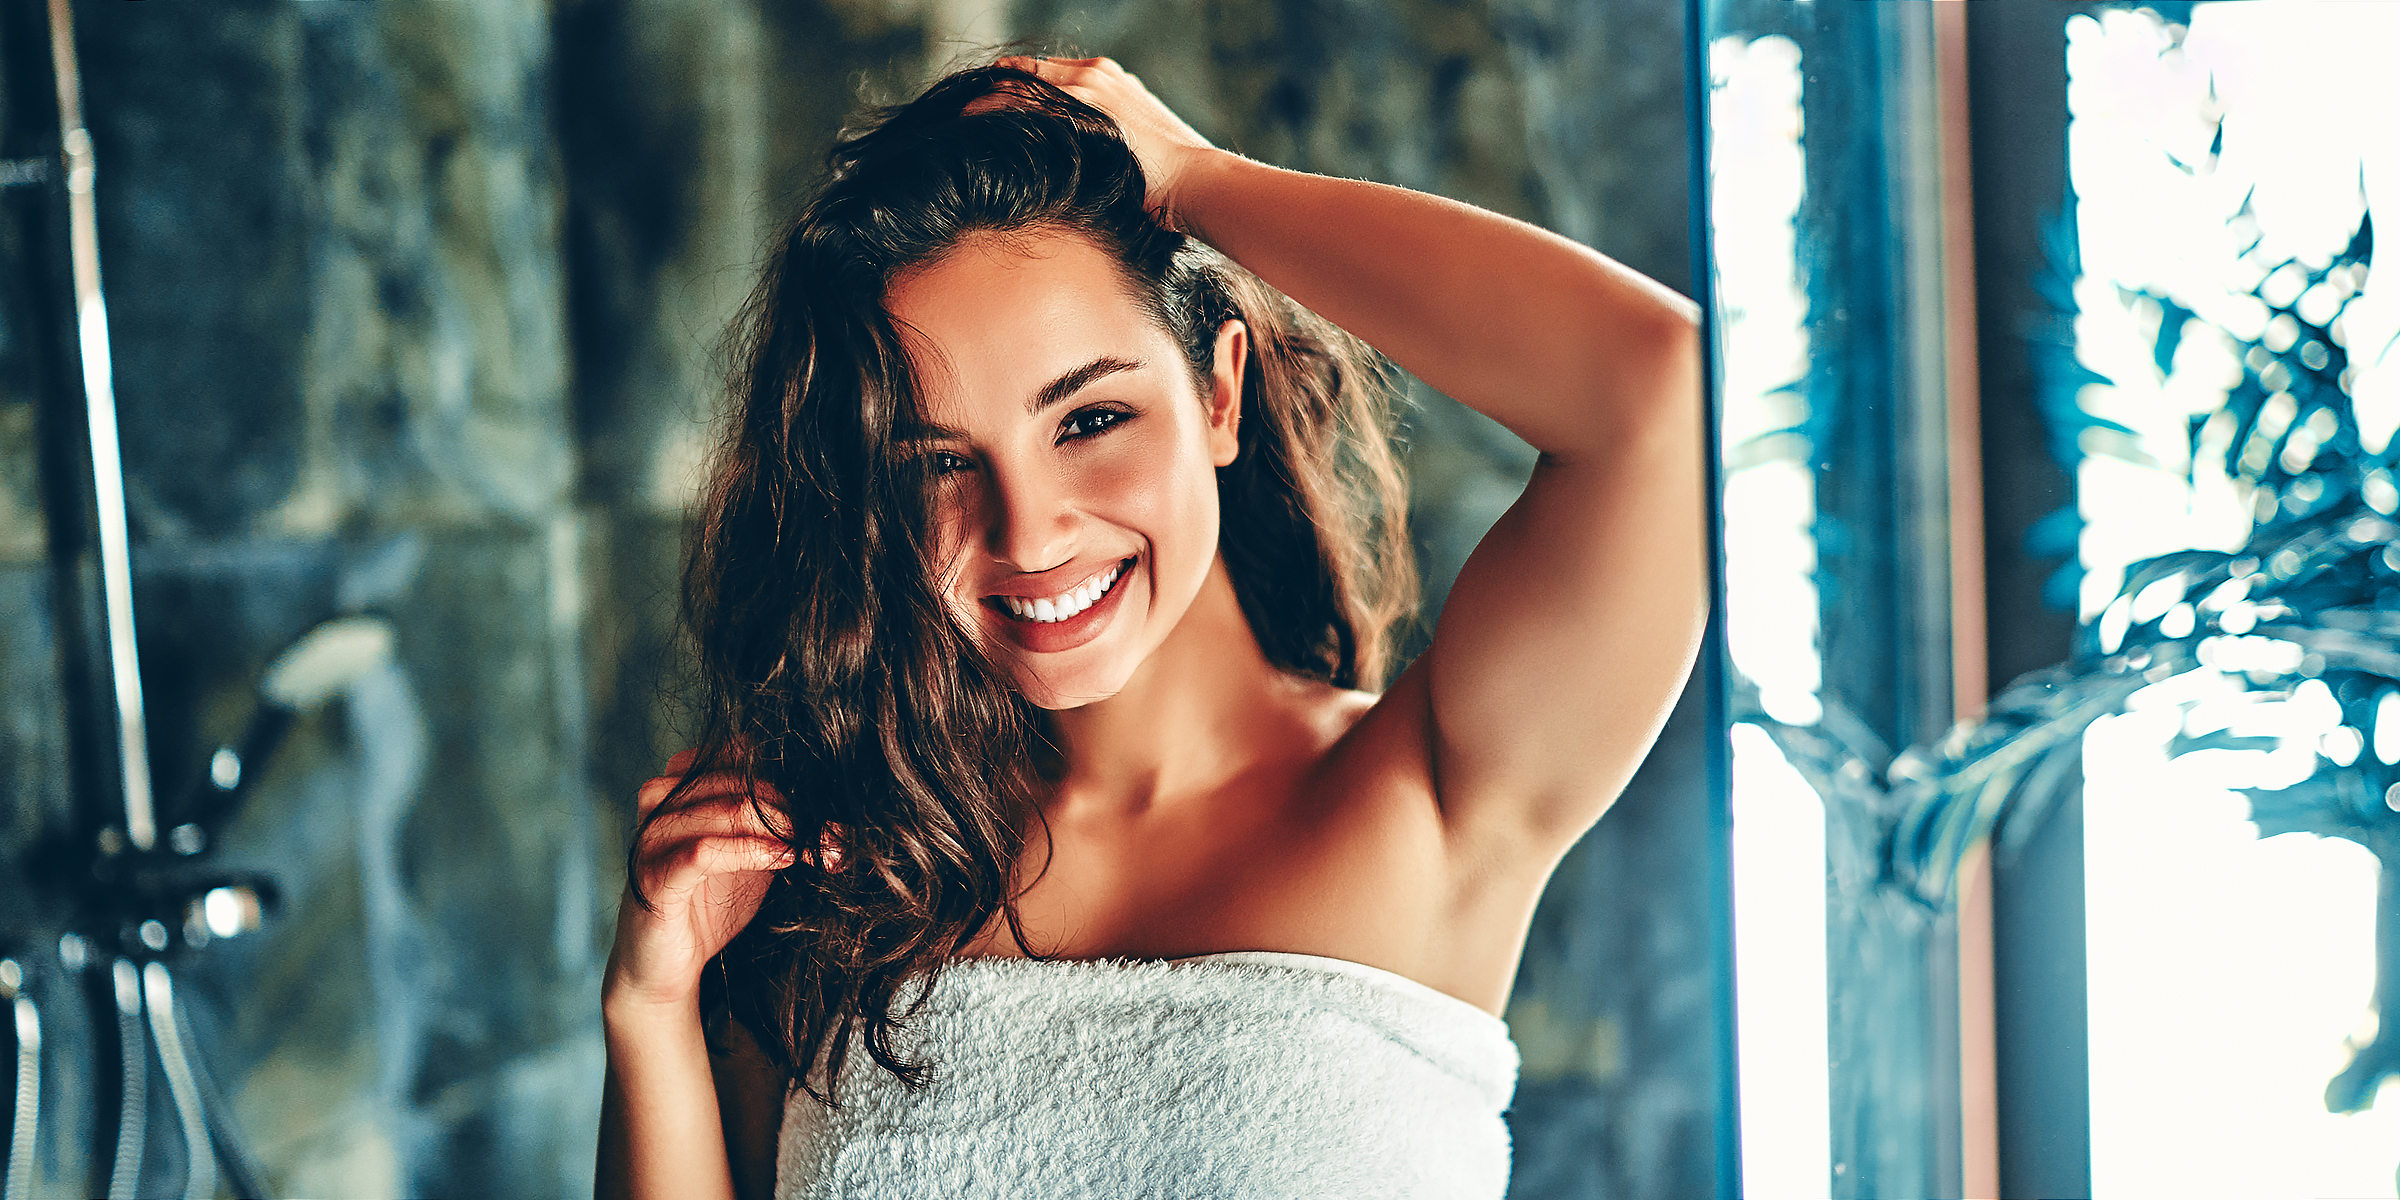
(1061, 607)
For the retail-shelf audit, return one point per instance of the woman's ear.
(1225, 392)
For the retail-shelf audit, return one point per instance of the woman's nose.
(1032, 524)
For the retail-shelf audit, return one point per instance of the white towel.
(1244, 1076)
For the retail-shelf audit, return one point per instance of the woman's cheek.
(1165, 490)
(1137, 488)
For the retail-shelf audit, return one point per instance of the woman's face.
(1078, 514)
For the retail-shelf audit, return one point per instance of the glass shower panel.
(1834, 426)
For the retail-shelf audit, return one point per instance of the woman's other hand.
(1167, 147)
(704, 865)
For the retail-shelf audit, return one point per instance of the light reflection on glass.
(1771, 614)
(2224, 970)
(1770, 486)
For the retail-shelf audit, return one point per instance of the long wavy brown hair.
(832, 675)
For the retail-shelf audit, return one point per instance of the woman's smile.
(1049, 623)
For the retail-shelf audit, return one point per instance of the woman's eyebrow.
(1076, 380)
(925, 431)
(1051, 393)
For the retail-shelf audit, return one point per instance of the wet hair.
(830, 670)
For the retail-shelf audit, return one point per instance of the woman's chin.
(1058, 695)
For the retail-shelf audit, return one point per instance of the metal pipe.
(200, 1162)
(133, 1099)
(26, 1123)
(100, 410)
(242, 1176)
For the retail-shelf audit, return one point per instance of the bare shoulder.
(1364, 739)
(1372, 748)
(1497, 865)
(1452, 898)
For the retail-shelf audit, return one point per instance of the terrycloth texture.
(1245, 1076)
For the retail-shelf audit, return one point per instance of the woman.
(1046, 556)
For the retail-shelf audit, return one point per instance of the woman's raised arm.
(1572, 627)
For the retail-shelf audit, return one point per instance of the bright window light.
(1779, 966)
(1771, 615)
(2229, 976)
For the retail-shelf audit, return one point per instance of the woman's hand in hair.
(703, 865)
(1167, 147)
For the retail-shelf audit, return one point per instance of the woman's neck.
(1200, 710)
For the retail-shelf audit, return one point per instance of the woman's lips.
(1049, 637)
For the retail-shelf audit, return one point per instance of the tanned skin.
(1211, 802)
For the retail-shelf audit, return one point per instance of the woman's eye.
(944, 462)
(1091, 421)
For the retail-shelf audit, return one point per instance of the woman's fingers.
(681, 763)
(1167, 146)
(1060, 70)
(653, 792)
(683, 864)
(723, 783)
(721, 806)
(668, 851)
(721, 812)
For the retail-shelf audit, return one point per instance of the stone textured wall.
(417, 309)
(331, 238)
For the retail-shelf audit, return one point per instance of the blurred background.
(415, 311)
(2027, 830)
(2056, 401)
